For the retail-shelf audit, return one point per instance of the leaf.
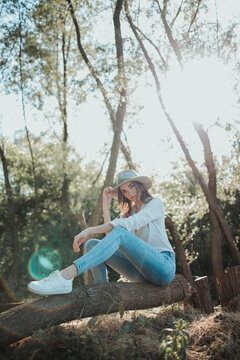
(121, 310)
(127, 326)
(92, 321)
(142, 319)
(88, 331)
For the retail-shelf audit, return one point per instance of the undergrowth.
(167, 332)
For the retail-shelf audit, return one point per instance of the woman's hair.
(126, 205)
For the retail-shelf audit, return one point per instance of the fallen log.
(21, 321)
(6, 306)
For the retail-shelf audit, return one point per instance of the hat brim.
(146, 181)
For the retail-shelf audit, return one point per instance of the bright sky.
(202, 93)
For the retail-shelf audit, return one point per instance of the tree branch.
(155, 46)
(172, 41)
(194, 16)
(88, 63)
(94, 74)
(177, 13)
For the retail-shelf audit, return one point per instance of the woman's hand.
(80, 238)
(107, 196)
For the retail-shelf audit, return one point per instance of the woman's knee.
(118, 230)
(164, 279)
(90, 244)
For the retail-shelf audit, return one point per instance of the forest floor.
(138, 335)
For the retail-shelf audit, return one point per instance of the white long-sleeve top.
(148, 224)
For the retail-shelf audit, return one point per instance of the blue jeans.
(128, 255)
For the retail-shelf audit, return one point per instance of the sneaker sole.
(50, 292)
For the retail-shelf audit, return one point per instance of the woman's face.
(129, 190)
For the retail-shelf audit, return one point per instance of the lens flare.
(43, 262)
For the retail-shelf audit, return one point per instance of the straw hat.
(131, 175)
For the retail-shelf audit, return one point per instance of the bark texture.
(203, 299)
(212, 185)
(180, 254)
(62, 102)
(12, 220)
(87, 276)
(23, 320)
(228, 285)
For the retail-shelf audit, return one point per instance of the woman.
(135, 245)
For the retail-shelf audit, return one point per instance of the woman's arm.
(93, 230)
(106, 203)
(153, 210)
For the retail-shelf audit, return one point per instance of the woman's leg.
(117, 262)
(154, 266)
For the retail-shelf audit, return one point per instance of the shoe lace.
(51, 276)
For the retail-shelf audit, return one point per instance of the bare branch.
(126, 152)
(194, 16)
(100, 172)
(177, 13)
(155, 46)
(94, 73)
(165, 3)
(88, 63)
(172, 41)
(217, 28)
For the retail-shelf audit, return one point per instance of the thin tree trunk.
(36, 204)
(12, 221)
(172, 41)
(87, 276)
(110, 109)
(63, 107)
(209, 197)
(180, 254)
(212, 185)
(216, 230)
(194, 15)
(201, 295)
(120, 111)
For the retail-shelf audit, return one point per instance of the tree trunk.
(62, 101)
(209, 197)
(23, 320)
(34, 173)
(87, 276)
(7, 306)
(12, 221)
(180, 255)
(212, 185)
(168, 31)
(119, 114)
(228, 285)
(204, 299)
(110, 109)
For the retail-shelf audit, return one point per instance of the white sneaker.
(52, 285)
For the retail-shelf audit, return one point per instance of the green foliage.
(44, 229)
(174, 341)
